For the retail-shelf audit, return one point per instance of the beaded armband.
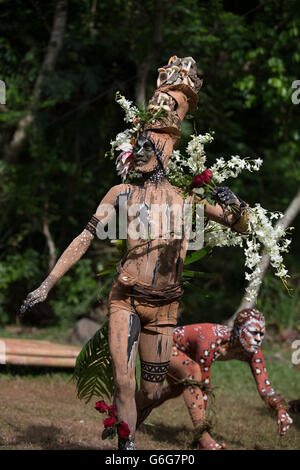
(92, 225)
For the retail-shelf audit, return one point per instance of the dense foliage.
(249, 55)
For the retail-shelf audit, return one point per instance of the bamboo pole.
(40, 361)
(38, 353)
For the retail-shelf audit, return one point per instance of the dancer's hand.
(284, 421)
(223, 195)
(34, 297)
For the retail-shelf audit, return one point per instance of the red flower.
(206, 175)
(123, 430)
(109, 422)
(112, 411)
(101, 406)
(198, 180)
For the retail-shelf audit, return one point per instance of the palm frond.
(93, 373)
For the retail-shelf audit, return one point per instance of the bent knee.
(152, 391)
(192, 371)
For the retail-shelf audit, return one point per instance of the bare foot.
(208, 443)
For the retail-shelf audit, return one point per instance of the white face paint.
(252, 334)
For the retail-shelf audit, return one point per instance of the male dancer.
(144, 298)
(196, 347)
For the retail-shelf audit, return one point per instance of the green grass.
(237, 376)
(54, 334)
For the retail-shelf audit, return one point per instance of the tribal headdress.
(176, 94)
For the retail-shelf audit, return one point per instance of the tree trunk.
(51, 246)
(71, 191)
(93, 17)
(19, 138)
(287, 218)
(154, 46)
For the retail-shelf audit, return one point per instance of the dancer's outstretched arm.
(77, 247)
(267, 393)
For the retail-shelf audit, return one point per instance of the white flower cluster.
(195, 150)
(223, 170)
(178, 163)
(263, 239)
(252, 260)
(131, 112)
(121, 138)
(219, 235)
(271, 239)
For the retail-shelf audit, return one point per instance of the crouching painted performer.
(143, 301)
(196, 347)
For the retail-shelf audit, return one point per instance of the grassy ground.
(54, 334)
(39, 410)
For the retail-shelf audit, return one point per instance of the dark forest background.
(62, 63)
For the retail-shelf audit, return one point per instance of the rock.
(99, 312)
(84, 330)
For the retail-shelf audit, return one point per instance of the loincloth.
(148, 293)
(156, 308)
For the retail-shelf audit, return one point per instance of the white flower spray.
(194, 163)
(262, 238)
(131, 111)
(195, 150)
(121, 138)
(223, 170)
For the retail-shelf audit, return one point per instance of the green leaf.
(103, 272)
(186, 284)
(210, 200)
(199, 254)
(109, 433)
(197, 274)
(93, 373)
